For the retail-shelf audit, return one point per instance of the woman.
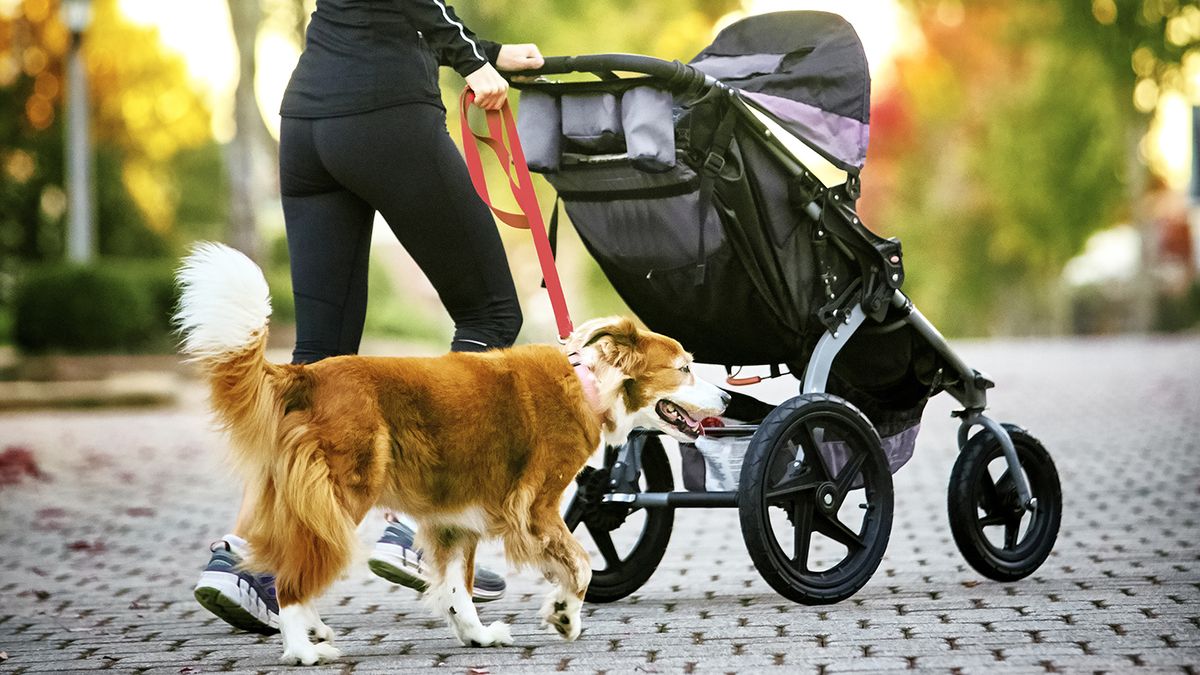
(364, 130)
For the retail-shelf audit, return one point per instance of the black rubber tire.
(610, 585)
(966, 497)
(777, 567)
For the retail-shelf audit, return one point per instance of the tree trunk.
(251, 155)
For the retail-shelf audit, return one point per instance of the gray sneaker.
(240, 599)
(395, 559)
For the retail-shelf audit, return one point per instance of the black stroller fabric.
(722, 254)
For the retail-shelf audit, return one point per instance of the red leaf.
(140, 512)
(53, 512)
(88, 546)
(16, 464)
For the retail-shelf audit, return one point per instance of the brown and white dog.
(470, 445)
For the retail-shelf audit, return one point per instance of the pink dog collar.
(587, 379)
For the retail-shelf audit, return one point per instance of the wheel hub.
(826, 496)
(592, 486)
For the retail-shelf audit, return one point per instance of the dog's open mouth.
(673, 414)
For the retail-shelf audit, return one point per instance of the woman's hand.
(519, 57)
(491, 90)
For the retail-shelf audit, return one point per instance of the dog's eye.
(685, 369)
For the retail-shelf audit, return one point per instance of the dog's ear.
(614, 339)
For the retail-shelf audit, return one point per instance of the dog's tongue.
(689, 420)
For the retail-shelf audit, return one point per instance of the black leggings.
(335, 173)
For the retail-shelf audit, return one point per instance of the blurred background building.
(1036, 157)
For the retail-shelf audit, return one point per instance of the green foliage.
(1014, 152)
(6, 325)
(397, 315)
(99, 308)
(202, 210)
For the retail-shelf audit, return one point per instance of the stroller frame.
(879, 294)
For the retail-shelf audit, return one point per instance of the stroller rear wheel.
(1000, 538)
(630, 542)
(815, 499)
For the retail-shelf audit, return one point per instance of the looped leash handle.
(502, 125)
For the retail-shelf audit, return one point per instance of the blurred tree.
(1002, 147)
(252, 153)
(144, 112)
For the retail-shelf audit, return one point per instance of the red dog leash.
(501, 123)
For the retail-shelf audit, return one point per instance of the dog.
(470, 445)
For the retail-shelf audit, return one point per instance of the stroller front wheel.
(815, 499)
(1000, 538)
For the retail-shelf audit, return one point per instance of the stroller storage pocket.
(592, 121)
(540, 128)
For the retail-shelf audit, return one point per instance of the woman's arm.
(455, 44)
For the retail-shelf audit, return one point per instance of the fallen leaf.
(3, 657)
(140, 511)
(136, 605)
(188, 670)
(53, 512)
(88, 546)
(17, 464)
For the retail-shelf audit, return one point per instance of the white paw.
(309, 654)
(562, 614)
(498, 634)
(327, 652)
(323, 633)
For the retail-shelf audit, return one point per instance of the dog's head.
(645, 379)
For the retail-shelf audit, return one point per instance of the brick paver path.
(97, 561)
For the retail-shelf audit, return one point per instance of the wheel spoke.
(812, 451)
(849, 472)
(1012, 527)
(802, 519)
(804, 481)
(990, 520)
(989, 497)
(604, 542)
(574, 514)
(836, 530)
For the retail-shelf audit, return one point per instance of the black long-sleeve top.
(362, 55)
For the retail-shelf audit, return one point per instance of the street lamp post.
(81, 229)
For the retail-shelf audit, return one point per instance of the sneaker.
(395, 559)
(241, 599)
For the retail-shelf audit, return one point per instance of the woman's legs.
(402, 161)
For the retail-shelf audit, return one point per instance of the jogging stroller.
(718, 197)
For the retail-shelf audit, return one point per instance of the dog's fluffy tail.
(300, 531)
(224, 306)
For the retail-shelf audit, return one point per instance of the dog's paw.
(322, 633)
(326, 652)
(498, 634)
(309, 654)
(562, 614)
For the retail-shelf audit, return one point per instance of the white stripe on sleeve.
(461, 30)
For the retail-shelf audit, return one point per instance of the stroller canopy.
(808, 70)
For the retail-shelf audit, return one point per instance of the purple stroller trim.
(843, 138)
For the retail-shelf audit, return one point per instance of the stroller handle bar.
(677, 77)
